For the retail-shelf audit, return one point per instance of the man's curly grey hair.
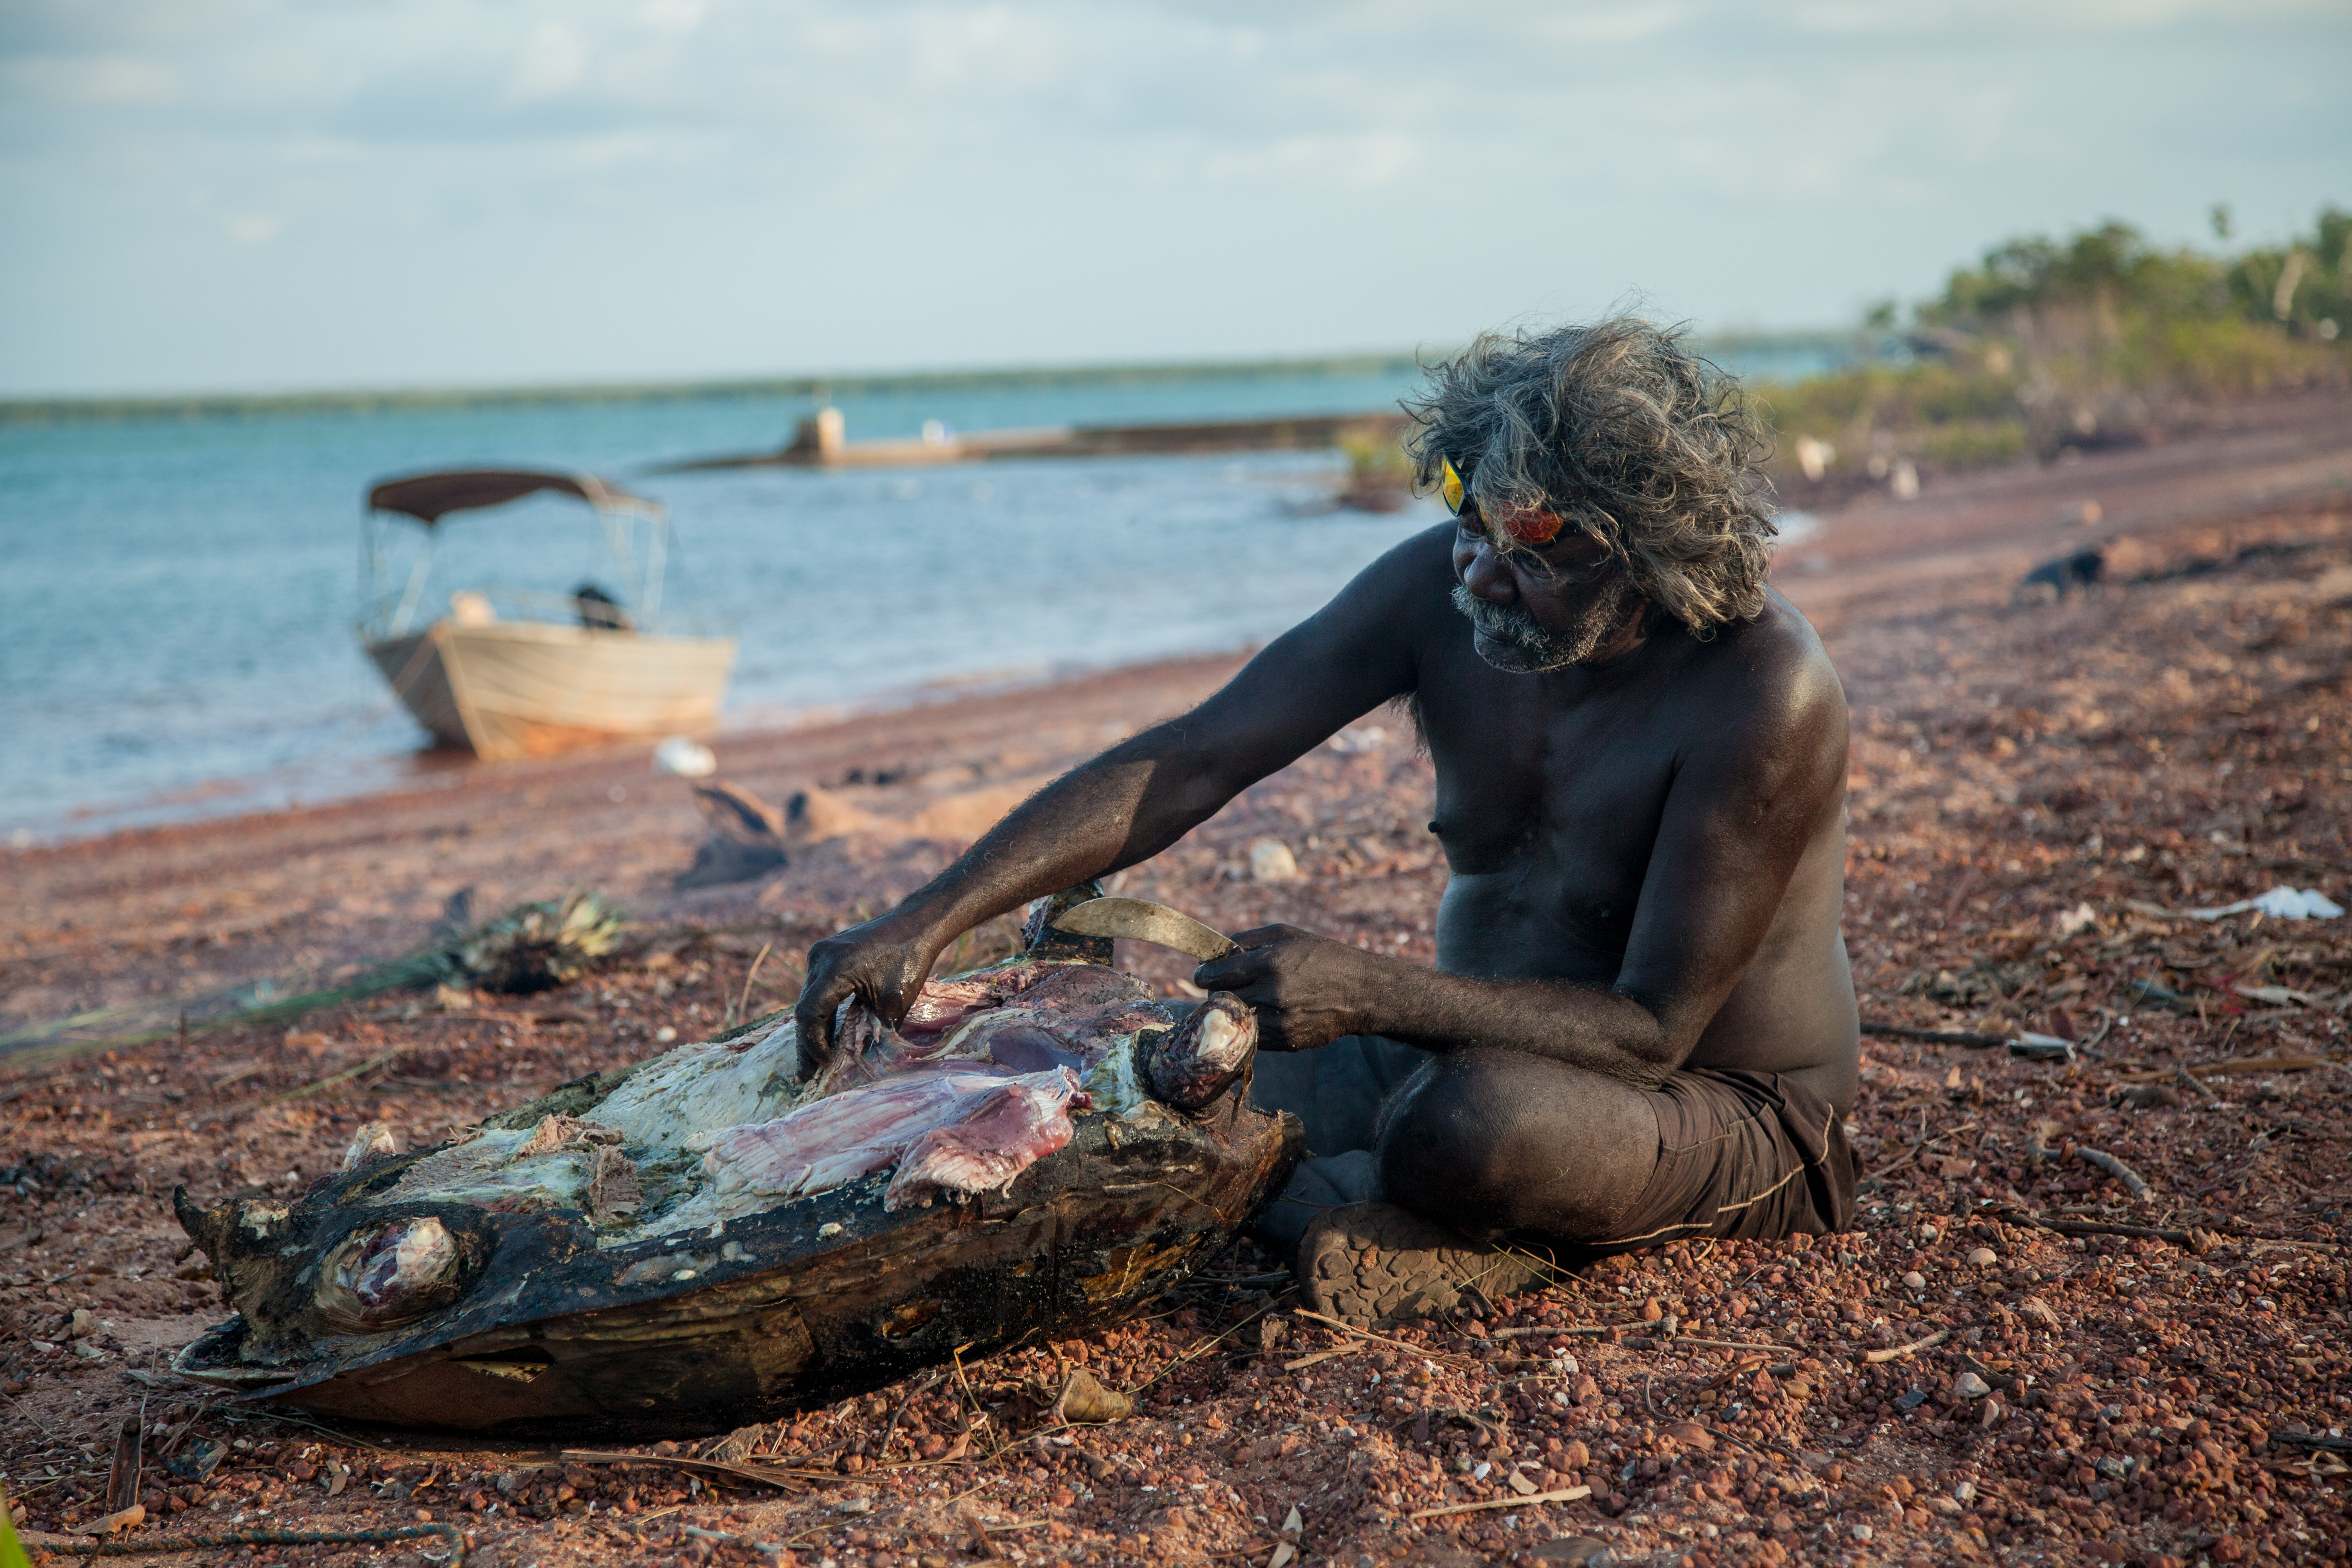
(1627, 435)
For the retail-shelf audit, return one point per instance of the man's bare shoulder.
(1414, 562)
(1771, 674)
(1779, 649)
(1408, 587)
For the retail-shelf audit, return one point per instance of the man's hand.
(885, 961)
(1308, 989)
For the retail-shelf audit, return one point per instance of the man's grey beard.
(1529, 649)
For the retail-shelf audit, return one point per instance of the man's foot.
(1369, 1262)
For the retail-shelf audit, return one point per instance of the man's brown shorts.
(1740, 1154)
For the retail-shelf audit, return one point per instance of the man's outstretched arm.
(1142, 796)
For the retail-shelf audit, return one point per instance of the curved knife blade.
(1138, 920)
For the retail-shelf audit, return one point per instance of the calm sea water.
(177, 598)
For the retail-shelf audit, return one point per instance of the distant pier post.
(820, 438)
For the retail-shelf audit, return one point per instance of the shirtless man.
(1642, 1023)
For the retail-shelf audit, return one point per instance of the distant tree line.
(2099, 339)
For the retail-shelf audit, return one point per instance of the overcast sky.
(277, 193)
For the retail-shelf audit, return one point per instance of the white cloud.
(1365, 160)
(554, 61)
(672, 16)
(1611, 23)
(91, 82)
(2033, 19)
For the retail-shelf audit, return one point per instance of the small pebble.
(1968, 1386)
(1914, 1280)
(1691, 1434)
(1270, 860)
(1863, 1533)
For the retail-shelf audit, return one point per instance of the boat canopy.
(428, 498)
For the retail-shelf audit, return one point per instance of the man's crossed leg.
(1484, 1170)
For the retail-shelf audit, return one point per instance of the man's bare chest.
(1571, 797)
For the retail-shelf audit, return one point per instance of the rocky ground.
(2092, 1311)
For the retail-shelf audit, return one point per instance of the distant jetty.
(821, 441)
(1782, 356)
(812, 388)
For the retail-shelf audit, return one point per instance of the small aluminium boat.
(549, 671)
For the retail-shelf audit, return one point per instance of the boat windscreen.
(428, 498)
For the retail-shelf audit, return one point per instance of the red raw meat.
(843, 1136)
(984, 1148)
(989, 1062)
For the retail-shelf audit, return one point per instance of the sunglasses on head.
(1522, 525)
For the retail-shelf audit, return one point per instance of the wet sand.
(2030, 783)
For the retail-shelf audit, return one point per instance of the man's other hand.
(879, 961)
(1307, 990)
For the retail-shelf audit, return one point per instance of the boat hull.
(528, 688)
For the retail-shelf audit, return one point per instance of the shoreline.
(2262, 452)
(296, 896)
(426, 769)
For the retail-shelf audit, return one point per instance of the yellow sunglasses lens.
(1450, 485)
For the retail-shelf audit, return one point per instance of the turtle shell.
(371, 1300)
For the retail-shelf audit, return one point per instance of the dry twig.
(2131, 1179)
(2182, 1238)
(882, 1449)
(1896, 1352)
(776, 1475)
(1914, 1151)
(2244, 1068)
(1936, 1036)
(1306, 1361)
(743, 1004)
(1565, 1494)
(1425, 1351)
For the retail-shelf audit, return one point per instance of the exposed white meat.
(490, 1171)
(704, 1087)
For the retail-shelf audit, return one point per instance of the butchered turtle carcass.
(703, 1238)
